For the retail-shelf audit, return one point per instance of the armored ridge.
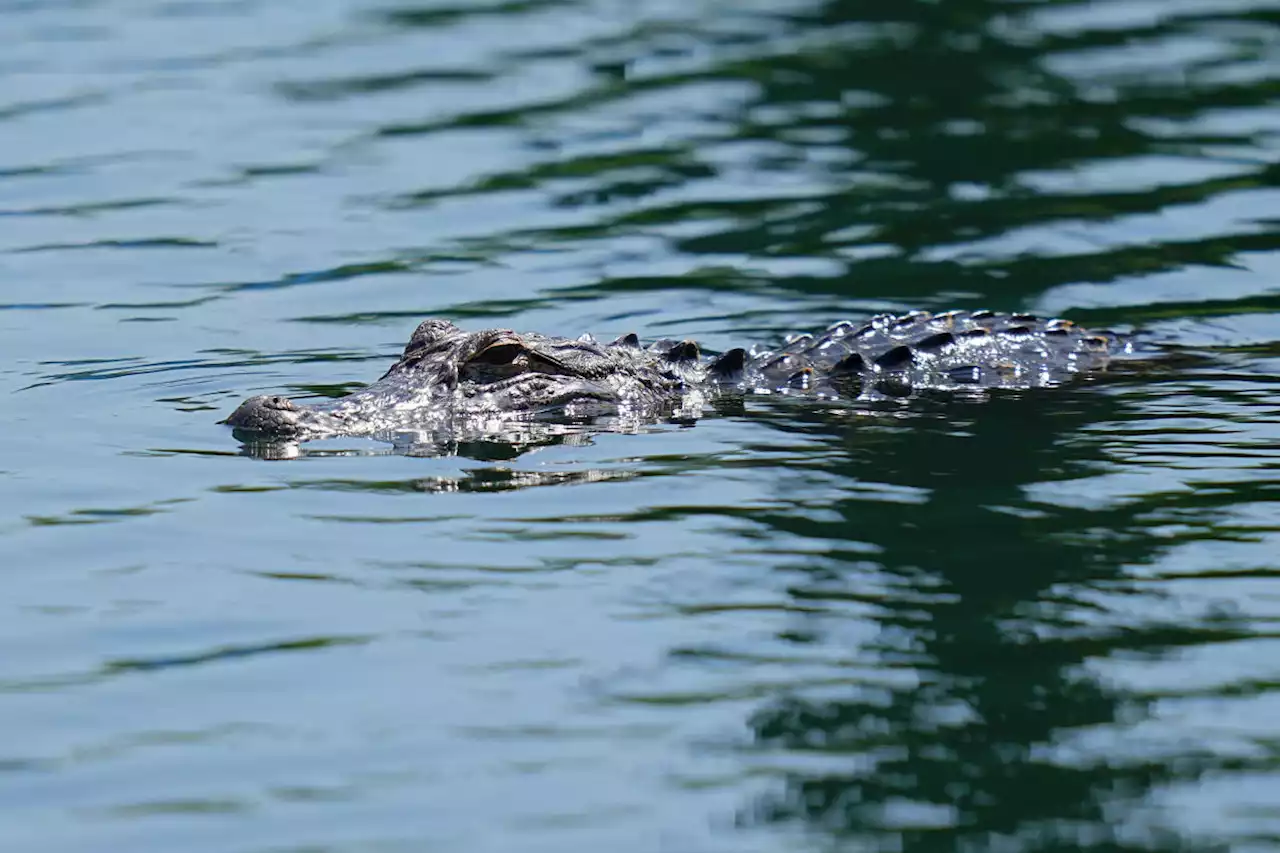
(447, 375)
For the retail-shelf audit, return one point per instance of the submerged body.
(447, 375)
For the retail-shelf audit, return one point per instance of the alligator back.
(896, 355)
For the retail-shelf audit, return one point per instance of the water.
(1043, 622)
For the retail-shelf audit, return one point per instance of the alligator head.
(445, 372)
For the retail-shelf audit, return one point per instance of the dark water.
(1050, 621)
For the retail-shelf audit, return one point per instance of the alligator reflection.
(990, 606)
(486, 479)
(499, 446)
(500, 440)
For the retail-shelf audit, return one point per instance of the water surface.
(1045, 621)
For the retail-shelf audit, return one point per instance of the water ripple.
(1036, 621)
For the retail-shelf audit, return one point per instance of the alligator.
(448, 376)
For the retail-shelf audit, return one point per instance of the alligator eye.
(500, 353)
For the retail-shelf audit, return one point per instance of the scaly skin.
(447, 376)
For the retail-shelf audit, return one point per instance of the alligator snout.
(276, 415)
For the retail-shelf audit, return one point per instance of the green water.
(1043, 621)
